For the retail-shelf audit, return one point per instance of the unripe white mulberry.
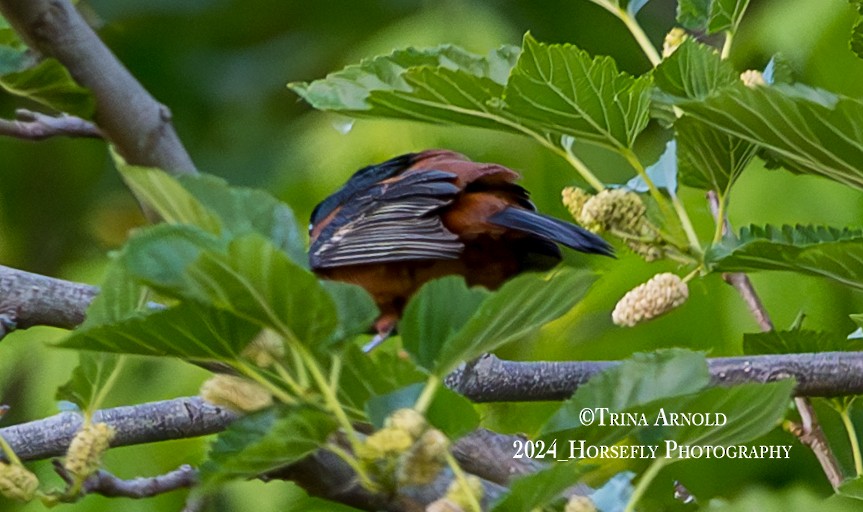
(235, 393)
(662, 293)
(85, 452)
(673, 39)
(17, 482)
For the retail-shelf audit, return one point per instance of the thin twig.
(106, 484)
(29, 125)
(809, 429)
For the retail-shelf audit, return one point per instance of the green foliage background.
(221, 66)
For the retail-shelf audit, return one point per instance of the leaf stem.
(351, 461)
(424, 401)
(634, 29)
(291, 383)
(722, 204)
(11, 456)
(694, 244)
(461, 478)
(852, 437)
(109, 383)
(255, 375)
(329, 395)
(646, 478)
(570, 158)
(726, 46)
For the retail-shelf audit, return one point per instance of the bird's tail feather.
(555, 230)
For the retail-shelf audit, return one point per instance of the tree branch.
(29, 125)
(28, 299)
(131, 119)
(179, 418)
(109, 485)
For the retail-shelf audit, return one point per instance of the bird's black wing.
(389, 222)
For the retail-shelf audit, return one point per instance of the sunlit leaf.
(714, 15)
(833, 253)
(806, 130)
(250, 278)
(783, 500)
(187, 330)
(49, 83)
(561, 89)
(377, 373)
(266, 441)
(355, 308)
(120, 296)
(708, 158)
(442, 84)
(693, 71)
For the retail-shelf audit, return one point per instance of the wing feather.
(393, 221)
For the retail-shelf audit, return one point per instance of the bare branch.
(129, 117)
(106, 484)
(29, 125)
(179, 418)
(489, 379)
(28, 299)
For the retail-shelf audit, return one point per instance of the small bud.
(235, 393)
(386, 442)
(17, 482)
(443, 505)
(662, 293)
(426, 458)
(87, 448)
(580, 504)
(457, 494)
(752, 78)
(408, 420)
(673, 39)
(574, 199)
(613, 208)
(265, 349)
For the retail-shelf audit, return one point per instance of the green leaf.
(49, 83)
(852, 488)
(783, 500)
(797, 341)
(693, 14)
(120, 296)
(560, 89)
(435, 314)
(635, 382)
(521, 306)
(714, 15)
(12, 59)
(725, 15)
(806, 130)
(356, 310)
(441, 84)
(856, 41)
(187, 330)
(251, 278)
(265, 441)
(541, 488)
(451, 413)
(833, 253)
(167, 197)
(708, 158)
(88, 378)
(663, 172)
(244, 210)
(377, 373)
(211, 204)
(693, 71)
(751, 411)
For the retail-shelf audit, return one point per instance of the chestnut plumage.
(398, 224)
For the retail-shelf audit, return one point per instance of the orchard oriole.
(398, 224)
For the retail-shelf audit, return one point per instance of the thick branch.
(129, 117)
(489, 379)
(180, 418)
(31, 299)
(29, 125)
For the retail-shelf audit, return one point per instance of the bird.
(396, 225)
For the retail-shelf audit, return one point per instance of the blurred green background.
(221, 66)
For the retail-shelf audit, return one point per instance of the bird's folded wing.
(392, 221)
